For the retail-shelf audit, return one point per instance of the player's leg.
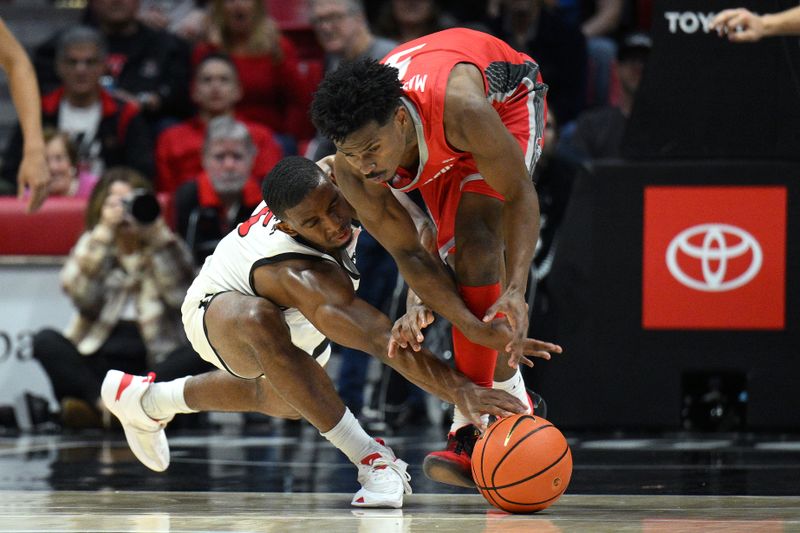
(477, 264)
(249, 338)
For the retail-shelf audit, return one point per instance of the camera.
(142, 205)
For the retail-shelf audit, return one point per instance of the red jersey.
(512, 84)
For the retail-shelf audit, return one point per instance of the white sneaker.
(383, 479)
(122, 394)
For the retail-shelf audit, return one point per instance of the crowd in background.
(197, 100)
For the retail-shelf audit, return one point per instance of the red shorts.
(442, 197)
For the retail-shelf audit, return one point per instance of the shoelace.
(465, 440)
(382, 465)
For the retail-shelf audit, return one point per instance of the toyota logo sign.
(717, 245)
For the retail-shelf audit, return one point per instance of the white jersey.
(258, 242)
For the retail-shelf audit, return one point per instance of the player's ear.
(286, 228)
(401, 114)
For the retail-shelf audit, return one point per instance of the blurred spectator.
(404, 20)
(127, 280)
(558, 46)
(62, 164)
(107, 130)
(145, 66)
(184, 18)
(31, 174)
(740, 25)
(342, 31)
(601, 23)
(598, 133)
(274, 93)
(224, 193)
(215, 91)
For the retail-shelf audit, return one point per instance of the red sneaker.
(453, 466)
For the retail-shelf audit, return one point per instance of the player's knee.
(262, 323)
(477, 259)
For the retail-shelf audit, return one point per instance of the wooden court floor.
(291, 480)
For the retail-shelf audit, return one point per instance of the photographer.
(127, 276)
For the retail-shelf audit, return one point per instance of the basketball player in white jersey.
(261, 309)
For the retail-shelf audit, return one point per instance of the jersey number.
(244, 227)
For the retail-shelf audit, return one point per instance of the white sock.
(515, 386)
(351, 439)
(460, 420)
(165, 399)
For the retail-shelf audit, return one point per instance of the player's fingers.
(746, 36)
(491, 312)
(38, 196)
(722, 17)
(514, 362)
(392, 350)
(533, 345)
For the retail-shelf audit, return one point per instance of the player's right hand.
(473, 401)
(407, 330)
(33, 175)
(496, 335)
(739, 25)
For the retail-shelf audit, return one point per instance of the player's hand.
(34, 176)
(407, 330)
(497, 334)
(326, 164)
(739, 25)
(512, 304)
(474, 401)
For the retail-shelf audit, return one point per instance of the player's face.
(323, 218)
(375, 151)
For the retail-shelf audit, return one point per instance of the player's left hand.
(512, 304)
(474, 401)
(34, 176)
(407, 330)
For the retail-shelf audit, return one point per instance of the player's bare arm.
(32, 173)
(472, 125)
(322, 292)
(742, 25)
(387, 220)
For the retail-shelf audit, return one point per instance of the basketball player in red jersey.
(458, 115)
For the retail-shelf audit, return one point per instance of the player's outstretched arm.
(388, 221)
(473, 125)
(322, 291)
(32, 173)
(741, 25)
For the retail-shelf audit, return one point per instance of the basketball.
(522, 464)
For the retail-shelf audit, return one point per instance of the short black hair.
(289, 182)
(353, 95)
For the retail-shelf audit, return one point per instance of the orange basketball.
(522, 464)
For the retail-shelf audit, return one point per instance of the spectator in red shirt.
(274, 93)
(215, 91)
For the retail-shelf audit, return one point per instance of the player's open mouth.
(344, 235)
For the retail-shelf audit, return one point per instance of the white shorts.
(193, 313)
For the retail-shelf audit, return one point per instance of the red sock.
(473, 360)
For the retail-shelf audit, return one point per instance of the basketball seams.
(520, 441)
(491, 430)
(529, 487)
